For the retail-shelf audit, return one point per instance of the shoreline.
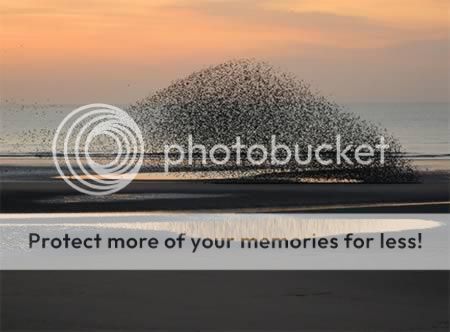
(33, 188)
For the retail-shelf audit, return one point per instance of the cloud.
(350, 52)
(431, 13)
(409, 72)
(328, 25)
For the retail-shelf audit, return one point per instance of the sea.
(422, 128)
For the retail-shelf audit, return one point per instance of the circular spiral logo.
(98, 149)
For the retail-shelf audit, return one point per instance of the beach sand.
(219, 300)
(224, 301)
(32, 185)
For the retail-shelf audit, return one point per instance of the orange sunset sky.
(119, 51)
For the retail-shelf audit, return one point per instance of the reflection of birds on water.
(242, 226)
(276, 227)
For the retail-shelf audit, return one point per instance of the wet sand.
(37, 189)
(219, 300)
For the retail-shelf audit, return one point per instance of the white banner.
(152, 241)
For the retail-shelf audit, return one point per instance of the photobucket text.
(275, 154)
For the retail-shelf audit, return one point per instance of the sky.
(61, 51)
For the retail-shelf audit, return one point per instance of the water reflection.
(230, 225)
(276, 226)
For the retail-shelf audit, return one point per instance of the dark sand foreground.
(194, 301)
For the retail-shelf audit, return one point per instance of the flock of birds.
(253, 100)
